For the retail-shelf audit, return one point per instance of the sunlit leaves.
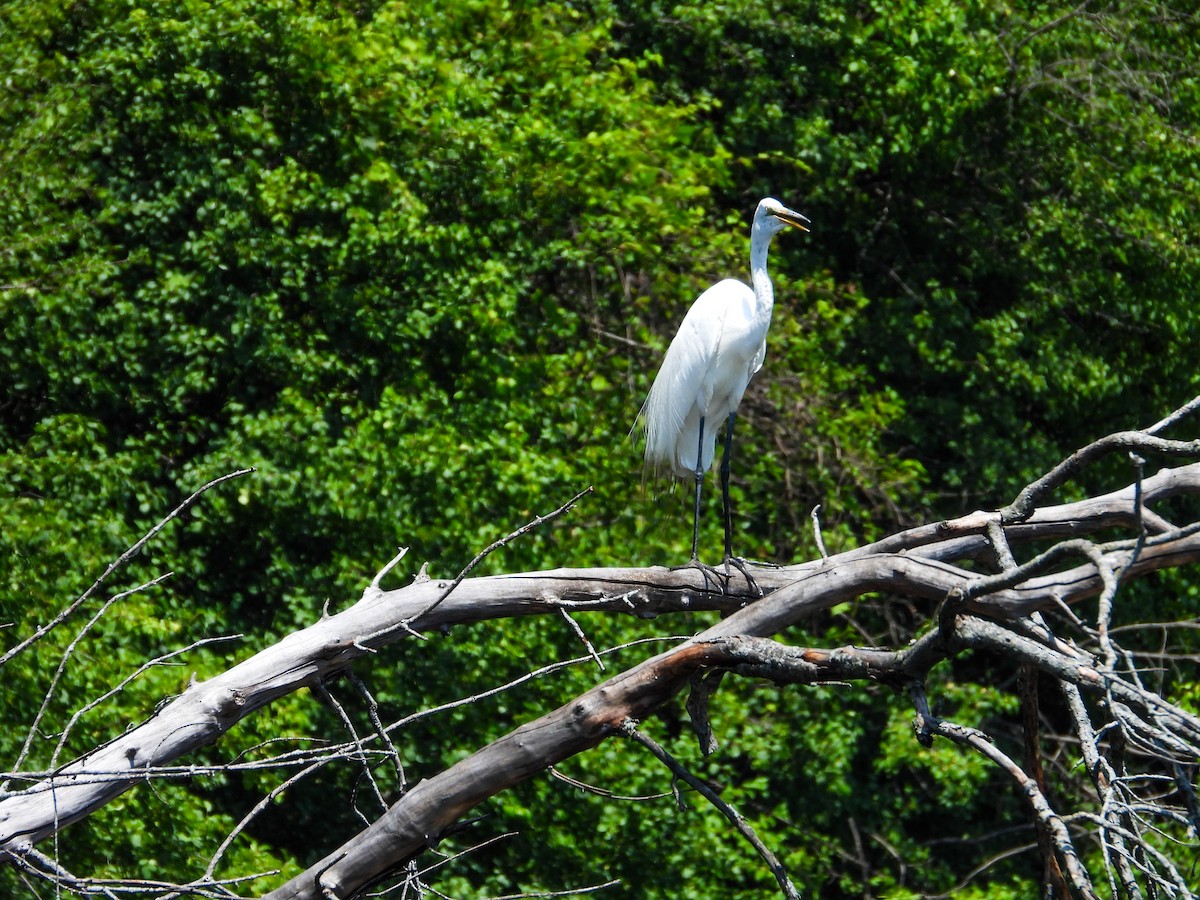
(417, 263)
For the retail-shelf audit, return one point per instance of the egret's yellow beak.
(794, 219)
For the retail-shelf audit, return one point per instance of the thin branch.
(116, 564)
(1174, 884)
(32, 733)
(1136, 441)
(536, 522)
(125, 682)
(380, 732)
(928, 725)
(1048, 26)
(603, 792)
(815, 515)
(249, 817)
(359, 752)
(630, 730)
(487, 551)
(1103, 778)
(47, 869)
(391, 564)
(1186, 410)
(1182, 727)
(583, 638)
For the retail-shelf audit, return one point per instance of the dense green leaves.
(1012, 187)
(416, 263)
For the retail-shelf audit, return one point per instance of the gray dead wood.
(418, 819)
(913, 563)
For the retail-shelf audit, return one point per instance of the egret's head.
(774, 217)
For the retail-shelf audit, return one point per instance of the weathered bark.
(206, 710)
(416, 820)
(915, 563)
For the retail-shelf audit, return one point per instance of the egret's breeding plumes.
(715, 353)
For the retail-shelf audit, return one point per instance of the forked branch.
(943, 566)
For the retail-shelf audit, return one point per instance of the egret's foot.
(711, 575)
(743, 566)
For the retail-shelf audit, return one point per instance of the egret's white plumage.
(718, 348)
(713, 356)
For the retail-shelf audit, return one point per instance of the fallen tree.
(1007, 582)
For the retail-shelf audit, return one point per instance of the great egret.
(713, 356)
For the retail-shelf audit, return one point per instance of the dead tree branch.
(979, 594)
(630, 730)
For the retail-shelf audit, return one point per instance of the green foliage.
(1009, 187)
(416, 263)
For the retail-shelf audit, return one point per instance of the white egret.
(713, 356)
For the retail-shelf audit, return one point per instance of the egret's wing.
(759, 357)
(742, 346)
(683, 388)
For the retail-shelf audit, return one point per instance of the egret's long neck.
(760, 240)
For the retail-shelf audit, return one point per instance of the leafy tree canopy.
(416, 263)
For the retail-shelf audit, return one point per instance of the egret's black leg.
(725, 484)
(711, 576)
(730, 559)
(699, 485)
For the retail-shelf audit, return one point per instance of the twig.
(573, 892)
(1111, 839)
(1176, 885)
(583, 638)
(1186, 410)
(116, 564)
(62, 666)
(380, 731)
(815, 515)
(516, 682)
(360, 753)
(603, 792)
(979, 870)
(1009, 578)
(481, 556)
(157, 661)
(253, 814)
(630, 730)
(448, 858)
(1181, 725)
(928, 725)
(57, 873)
(1048, 26)
(392, 563)
(1138, 441)
(45, 868)
(504, 541)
